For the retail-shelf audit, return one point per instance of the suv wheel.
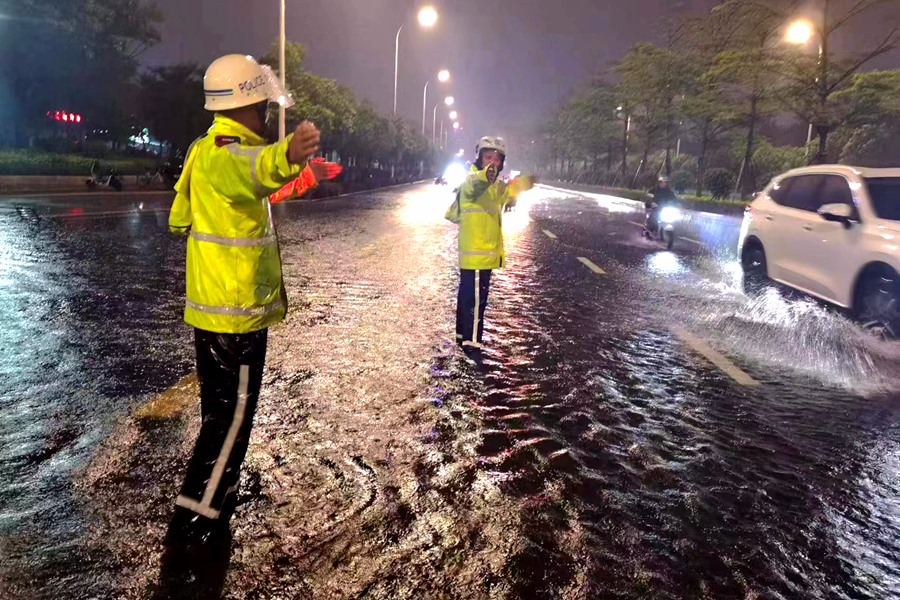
(878, 303)
(756, 275)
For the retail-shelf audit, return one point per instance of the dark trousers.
(470, 304)
(230, 368)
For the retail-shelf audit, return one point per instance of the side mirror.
(840, 213)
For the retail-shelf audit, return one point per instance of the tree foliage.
(86, 60)
(717, 81)
(352, 128)
(171, 103)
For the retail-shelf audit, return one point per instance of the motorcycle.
(110, 179)
(663, 229)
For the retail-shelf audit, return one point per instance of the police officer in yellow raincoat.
(234, 281)
(478, 210)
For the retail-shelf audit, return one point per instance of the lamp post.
(800, 32)
(427, 18)
(449, 102)
(442, 76)
(281, 112)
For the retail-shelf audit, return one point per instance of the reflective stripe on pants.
(471, 302)
(230, 368)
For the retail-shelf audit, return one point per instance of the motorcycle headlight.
(669, 214)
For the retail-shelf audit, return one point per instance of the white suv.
(833, 232)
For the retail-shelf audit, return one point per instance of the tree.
(353, 129)
(813, 83)
(870, 135)
(732, 26)
(93, 45)
(584, 125)
(171, 104)
(745, 75)
(652, 79)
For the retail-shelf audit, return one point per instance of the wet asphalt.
(591, 452)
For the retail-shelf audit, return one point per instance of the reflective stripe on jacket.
(234, 282)
(479, 213)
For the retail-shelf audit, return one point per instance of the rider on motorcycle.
(660, 197)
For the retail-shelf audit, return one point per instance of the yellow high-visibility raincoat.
(478, 210)
(234, 281)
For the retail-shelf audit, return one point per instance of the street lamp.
(456, 125)
(427, 18)
(442, 76)
(799, 32)
(281, 112)
(453, 114)
(448, 101)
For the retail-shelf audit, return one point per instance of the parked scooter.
(100, 179)
(164, 176)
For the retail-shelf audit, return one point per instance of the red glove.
(324, 170)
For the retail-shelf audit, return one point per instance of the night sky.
(511, 61)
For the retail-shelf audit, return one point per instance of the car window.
(802, 192)
(836, 190)
(779, 189)
(885, 195)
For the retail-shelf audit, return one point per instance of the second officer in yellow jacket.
(478, 210)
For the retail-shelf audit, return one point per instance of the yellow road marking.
(636, 223)
(549, 234)
(687, 239)
(592, 266)
(702, 348)
(174, 400)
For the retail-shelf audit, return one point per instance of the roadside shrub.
(36, 162)
(720, 183)
(681, 180)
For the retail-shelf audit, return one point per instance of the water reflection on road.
(589, 454)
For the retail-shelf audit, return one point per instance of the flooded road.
(594, 452)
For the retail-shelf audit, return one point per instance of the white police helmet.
(237, 80)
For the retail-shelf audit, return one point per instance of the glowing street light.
(453, 115)
(448, 101)
(799, 32)
(443, 76)
(427, 17)
(456, 125)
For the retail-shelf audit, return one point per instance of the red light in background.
(65, 116)
(78, 118)
(57, 116)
